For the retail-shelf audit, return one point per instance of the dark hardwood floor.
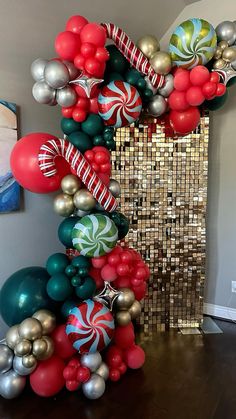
(184, 377)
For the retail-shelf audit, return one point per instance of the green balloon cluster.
(65, 230)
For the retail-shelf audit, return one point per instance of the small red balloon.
(108, 273)
(114, 374)
(215, 77)
(209, 90)
(47, 379)
(182, 80)
(63, 346)
(199, 75)
(79, 114)
(67, 112)
(79, 61)
(134, 357)
(93, 33)
(185, 122)
(221, 89)
(177, 101)
(124, 336)
(87, 49)
(83, 374)
(93, 108)
(76, 23)
(92, 66)
(102, 54)
(67, 45)
(194, 96)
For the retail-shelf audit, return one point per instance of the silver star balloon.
(226, 73)
(108, 295)
(86, 83)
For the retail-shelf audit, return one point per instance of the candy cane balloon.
(53, 148)
(133, 54)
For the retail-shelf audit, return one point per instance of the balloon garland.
(71, 323)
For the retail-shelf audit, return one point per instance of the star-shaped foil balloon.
(108, 295)
(86, 83)
(226, 73)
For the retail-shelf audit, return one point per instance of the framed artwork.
(9, 188)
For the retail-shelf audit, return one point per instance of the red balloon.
(124, 336)
(67, 45)
(63, 346)
(134, 357)
(215, 77)
(114, 374)
(92, 66)
(140, 290)
(182, 80)
(209, 90)
(199, 75)
(93, 108)
(79, 114)
(47, 379)
(83, 102)
(177, 101)
(67, 112)
(194, 96)
(25, 167)
(87, 49)
(102, 54)
(76, 23)
(186, 121)
(93, 33)
(108, 273)
(79, 61)
(221, 89)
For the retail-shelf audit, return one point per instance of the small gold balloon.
(123, 318)
(219, 64)
(47, 320)
(29, 361)
(63, 205)
(50, 347)
(23, 347)
(30, 329)
(70, 184)
(84, 200)
(39, 348)
(223, 45)
(229, 54)
(135, 310)
(12, 336)
(161, 62)
(148, 44)
(125, 299)
(218, 53)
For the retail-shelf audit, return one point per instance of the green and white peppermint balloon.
(94, 235)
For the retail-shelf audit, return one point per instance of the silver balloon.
(226, 31)
(91, 361)
(6, 358)
(114, 188)
(73, 71)
(37, 69)
(169, 86)
(20, 369)
(66, 97)
(103, 371)
(94, 387)
(81, 213)
(11, 384)
(150, 86)
(43, 93)
(157, 106)
(56, 74)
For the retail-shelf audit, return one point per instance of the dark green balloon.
(59, 287)
(108, 135)
(216, 103)
(87, 289)
(76, 281)
(132, 76)
(147, 94)
(114, 76)
(231, 82)
(23, 293)
(141, 84)
(81, 262)
(81, 140)
(117, 61)
(67, 307)
(93, 125)
(70, 270)
(57, 263)
(98, 140)
(121, 222)
(65, 229)
(69, 125)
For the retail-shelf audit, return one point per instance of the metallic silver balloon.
(47, 320)
(37, 69)
(150, 86)
(166, 90)
(66, 96)
(70, 184)
(94, 387)
(103, 371)
(114, 188)
(11, 384)
(91, 361)
(84, 200)
(19, 368)
(43, 93)
(226, 31)
(56, 74)
(6, 358)
(12, 336)
(157, 106)
(31, 329)
(148, 44)
(81, 213)
(125, 299)
(73, 71)
(161, 62)
(63, 205)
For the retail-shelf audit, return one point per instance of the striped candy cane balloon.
(53, 148)
(90, 327)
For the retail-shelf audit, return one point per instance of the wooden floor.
(185, 377)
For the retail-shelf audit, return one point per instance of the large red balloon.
(47, 379)
(177, 101)
(25, 167)
(185, 122)
(94, 34)
(134, 357)
(67, 45)
(124, 336)
(76, 23)
(62, 345)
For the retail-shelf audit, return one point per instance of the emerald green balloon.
(67, 307)
(87, 289)
(132, 76)
(70, 271)
(121, 222)
(65, 230)
(69, 125)
(114, 76)
(23, 293)
(93, 125)
(217, 102)
(81, 262)
(81, 140)
(117, 61)
(59, 287)
(98, 140)
(231, 82)
(57, 263)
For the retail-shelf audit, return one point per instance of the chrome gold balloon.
(148, 44)
(50, 348)
(29, 361)
(125, 299)
(39, 348)
(84, 200)
(161, 62)
(63, 205)
(47, 320)
(135, 310)
(30, 328)
(114, 188)
(123, 318)
(70, 184)
(23, 347)
(219, 64)
(12, 336)
(229, 54)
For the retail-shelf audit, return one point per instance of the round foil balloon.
(119, 104)
(192, 43)
(90, 327)
(94, 235)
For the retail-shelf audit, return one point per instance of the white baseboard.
(227, 313)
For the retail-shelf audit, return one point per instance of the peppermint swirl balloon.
(193, 43)
(94, 235)
(90, 327)
(119, 104)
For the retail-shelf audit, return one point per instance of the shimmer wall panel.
(164, 194)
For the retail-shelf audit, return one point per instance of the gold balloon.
(12, 336)
(50, 347)
(219, 64)
(29, 361)
(84, 200)
(63, 205)
(23, 347)
(218, 53)
(125, 299)
(223, 45)
(39, 348)
(70, 184)
(148, 44)
(47, 320)
(135, 310)
(123, 318)
(229, 54)
(30, 329)
(161, 62)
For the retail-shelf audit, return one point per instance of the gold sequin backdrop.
(164, 193)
